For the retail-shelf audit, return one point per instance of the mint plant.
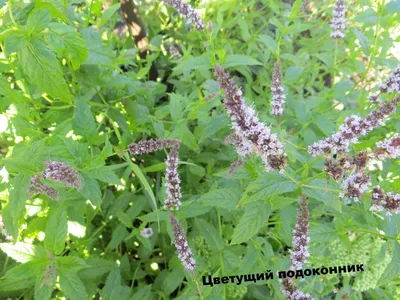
(190, 150)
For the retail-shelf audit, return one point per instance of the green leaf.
(20, 277)
(118, 235)
(70, 264)
(266, 186)
(72, 286)
(210, 234)
(326, 125)
(109, 13)
(91, 189)
(293, 73)
(68, 43)
(255, 215)
(323, 233)
(21, 252)
(84, 122)
(98, 54)
(393, 269)
(172, 281)
(18, 193)
(112, 288)
(105, 174)
(43, 69)
(38, 20)
(240, 60)
(185, 135)
(224, 198)
(143, 293)
(15, 41)
(124, 218)
(56, 231)
(269, 42)
(10, 222)
(325, 192)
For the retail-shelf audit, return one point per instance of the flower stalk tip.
(181, 244)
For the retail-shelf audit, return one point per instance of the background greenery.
(75, 89)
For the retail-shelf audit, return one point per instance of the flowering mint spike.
(353, 128)
(300, 242)
(389, 148)
(338, 23)
(152, 145)
(355, 185)
(385, 201)
(247, 126)
(61, 172)
(173, 181)
(38, 187)
(278, 95)
(187, 12)
(392, 83)
(181, 244)
(290, 290)
(49, 276)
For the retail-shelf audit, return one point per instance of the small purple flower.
(299, 253)
(187, 12)
(392, 83)
(63, 173)
(355, 185)
(173, 181)
(247, 126)
(38, 187)
(385, 201)
(174, 51)
(338, 23)
(146, 232)
(278, 95)
(181, 244)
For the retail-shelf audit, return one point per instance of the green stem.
(377, 233)
(5, 265)
(197, 284)
(321, 188)
(10, 3)
(220, 255)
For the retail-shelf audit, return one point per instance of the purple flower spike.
(181, 244)
(61, 172)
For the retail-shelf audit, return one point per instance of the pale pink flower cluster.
(338, 23)
(247, 127)
(187, 12)
(63, 173)
(355, 185)
(181, 244)
(392, 83)
(389, 148)
(385, 201)
(299, 253)
(38, 187)
(151, 145)
(353, 128)
(278, 95)
(146, 232)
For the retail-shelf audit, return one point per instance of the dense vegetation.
(256, 104)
